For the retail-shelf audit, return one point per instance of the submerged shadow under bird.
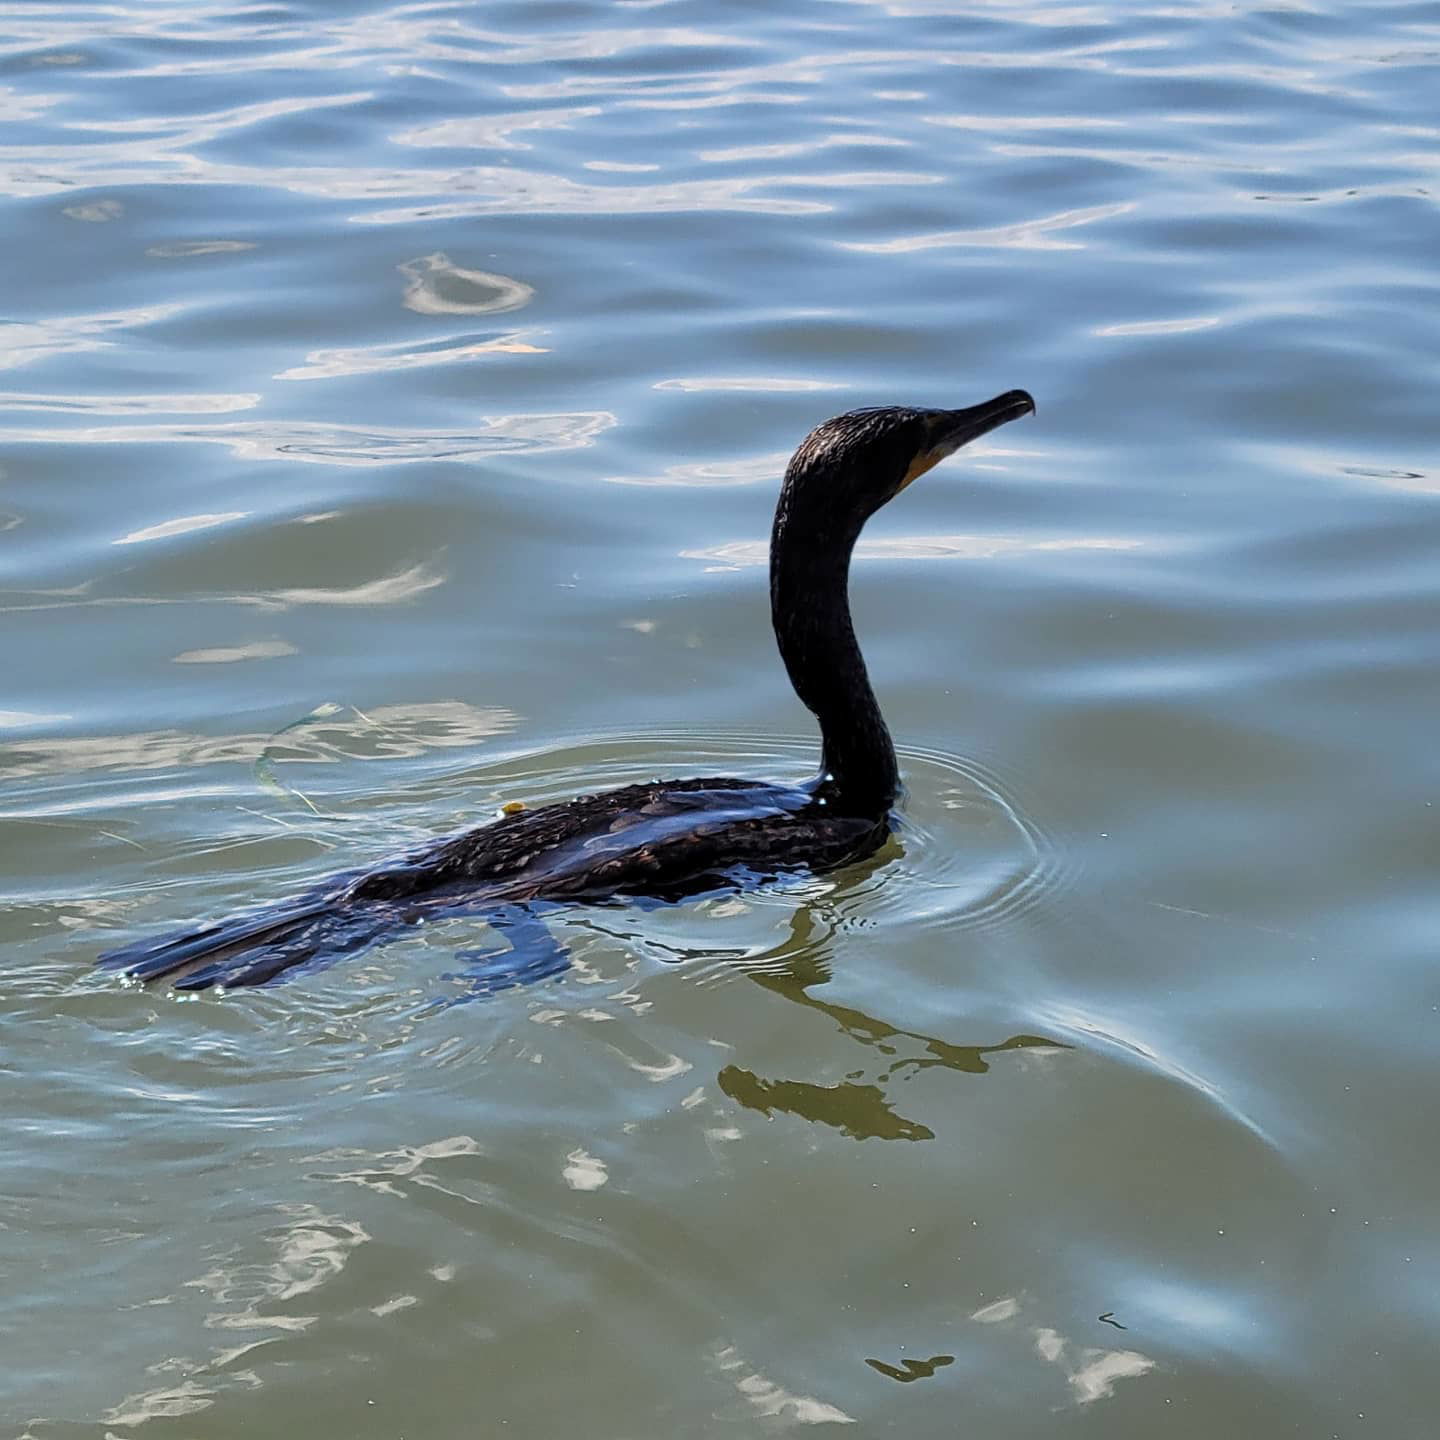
(659, 841)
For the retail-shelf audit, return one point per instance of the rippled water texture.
(393, 403)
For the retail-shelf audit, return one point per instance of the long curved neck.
(810, 609)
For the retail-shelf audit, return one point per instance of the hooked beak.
(950, 429)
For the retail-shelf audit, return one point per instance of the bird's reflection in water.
(860, 1106)
(860, 1111)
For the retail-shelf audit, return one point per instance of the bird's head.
(848, 467)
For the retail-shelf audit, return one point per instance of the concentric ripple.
(965, 853)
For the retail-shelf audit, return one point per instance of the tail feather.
(319, 942)
(222, 945)
(258, 948)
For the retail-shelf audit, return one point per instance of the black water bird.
(661, 840)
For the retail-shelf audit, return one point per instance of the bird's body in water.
(666, 839)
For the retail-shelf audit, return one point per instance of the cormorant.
(661, 840)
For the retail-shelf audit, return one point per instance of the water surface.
(393, 404)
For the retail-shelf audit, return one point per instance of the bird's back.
(638, 840)
(663, 840)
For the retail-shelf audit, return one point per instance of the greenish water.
(393, 405)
